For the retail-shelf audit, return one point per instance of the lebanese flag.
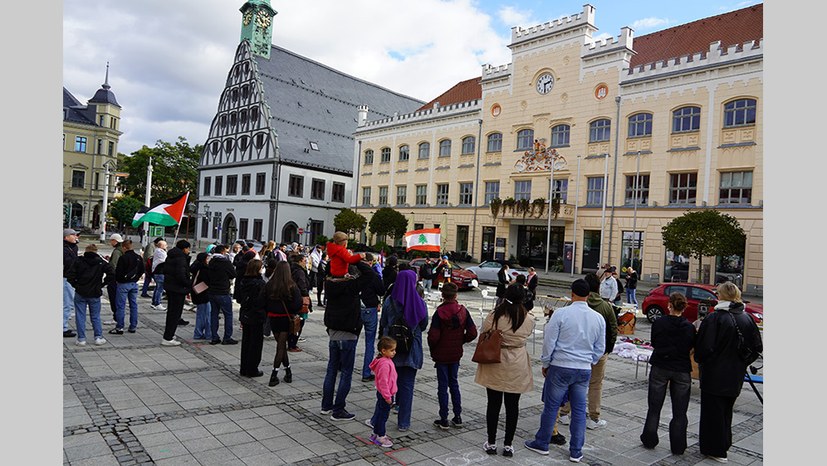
(423, 240)
(168, 213)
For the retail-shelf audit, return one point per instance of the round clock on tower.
(544, 83)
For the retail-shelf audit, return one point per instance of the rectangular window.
(424, 150)
(421, 194)
(338, 194)
(317, 189)
(219, 185)
(383, 195)
(525, 139)
(243, 224)
(260, 182)
(739, 113)
(468, 144)
(419, 226)
(205, 227)
(258, 225)
(495, 142)
(316, 229)
(296, 186)
(492, 191)
(78, 178)
(245, 185)
(642, 191)
(466, 193)
(560, 190)
(522, 189)
(366, 196)
(111, 148)
(442, 194)
(736, 188)
(594, 190)
(100, 120)
(80, 144)
(100, 146)
(386, 154)
(445, 148)
(686, 119)
(683, 188)
(232, 185)
(207, 186)
(401, 194)
(600, 130)
(368, 157)
(560, 136)
(640, 125)
(96, 186)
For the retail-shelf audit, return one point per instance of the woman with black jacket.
(177, 285)
(389, 273)
(252, 318)
(298, 270)
(200, 274)
(282, 299)
(502, 282)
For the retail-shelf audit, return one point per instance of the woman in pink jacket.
(385, 381)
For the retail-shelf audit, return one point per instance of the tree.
(123, 209)
(174, 170)
(387, 221)
(704, 233)
(349, 221)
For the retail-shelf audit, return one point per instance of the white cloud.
(513, 16)
(649, 24)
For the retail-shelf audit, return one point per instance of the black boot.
(288, 375)
(274, 378)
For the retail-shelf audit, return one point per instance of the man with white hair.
(115, 240)
(158, 259)
(70, 255)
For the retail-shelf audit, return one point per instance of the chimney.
(362, 115)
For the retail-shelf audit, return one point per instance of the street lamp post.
(634, 221)
(106, 167)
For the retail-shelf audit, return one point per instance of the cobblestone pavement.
(132, 401)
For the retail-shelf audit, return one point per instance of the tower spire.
(105, 84)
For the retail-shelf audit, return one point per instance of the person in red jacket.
(340, 257)
(451, 327)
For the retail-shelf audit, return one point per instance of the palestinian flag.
(423, 240)
(168, 213)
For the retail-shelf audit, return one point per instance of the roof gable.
(463, 91)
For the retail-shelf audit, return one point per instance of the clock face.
(262, 19)
(544, 83)
(248, 16)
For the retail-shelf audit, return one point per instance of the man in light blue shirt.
(573, 340)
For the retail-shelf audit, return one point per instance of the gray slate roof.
(311, 102)
(76, 112)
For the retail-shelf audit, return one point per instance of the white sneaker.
(170, 343)
(80, 343)
(565, 419)
(592, 424)
(368, 423)
(159, 307)
(109, 322)
(100, 341)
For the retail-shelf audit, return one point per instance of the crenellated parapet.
(584, 18)
(610, 44)
(422, 115)
(495, 72)
(716, 55)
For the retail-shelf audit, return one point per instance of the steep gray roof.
(311, 102)
(75, 112)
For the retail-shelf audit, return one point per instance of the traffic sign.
(301, 231)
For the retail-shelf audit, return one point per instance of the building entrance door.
(487, 250)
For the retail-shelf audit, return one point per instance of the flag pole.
(147, 199)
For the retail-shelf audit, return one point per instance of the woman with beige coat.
(511, 377)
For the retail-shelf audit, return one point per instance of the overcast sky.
(169, 59)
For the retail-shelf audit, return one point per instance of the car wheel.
(654, 313)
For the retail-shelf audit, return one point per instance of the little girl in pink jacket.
(385, 372)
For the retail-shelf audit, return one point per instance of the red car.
(698, 296)
(463, 278)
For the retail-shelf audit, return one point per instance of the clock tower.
(257, 25)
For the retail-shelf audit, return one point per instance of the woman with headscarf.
(512, 377)
(405, 305)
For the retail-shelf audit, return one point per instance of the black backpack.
(400, 332)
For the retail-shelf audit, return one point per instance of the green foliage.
(322, 239)
(387, 221)
(383, 246)
(495, 206)
(539, 205)
(123, 209)
(508, 203)
(522, 206)
(349, 221)
(704, 233)
(174, 170)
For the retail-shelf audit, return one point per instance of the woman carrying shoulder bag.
(282, 300)
(512, 376)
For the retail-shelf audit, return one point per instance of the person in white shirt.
(608, 285)
(158, 259)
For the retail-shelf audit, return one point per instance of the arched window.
(686, 119)
(525, 139)
(468, 145)
(228, 145)
(495, 142)
(404, 153)
(369, 157)
(386, 155)
(233, 119)
(560, 136)
(600, 130)
(739, 112)
(445, 148)
(640, 124)
(424, 150)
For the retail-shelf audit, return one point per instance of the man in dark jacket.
(451, 327)
(177, 283)
(426, 274)
(130, 268)
(89, 275)
(70, 255)
(371, 290)
(116, 241)
(221, 275)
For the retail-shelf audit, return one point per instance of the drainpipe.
(614, 177)
(476, 191)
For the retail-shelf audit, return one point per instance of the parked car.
(463, 278)
(487, 271)
(680, 273)
(700, 297)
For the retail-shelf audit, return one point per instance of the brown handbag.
(295, 321)
(488, 346)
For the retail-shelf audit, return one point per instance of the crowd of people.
(273, 288)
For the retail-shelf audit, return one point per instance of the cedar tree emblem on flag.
(167, 213)
(423, 240)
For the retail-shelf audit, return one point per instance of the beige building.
(90, 144)
(639, 130)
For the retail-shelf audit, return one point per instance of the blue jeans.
(630, 296)
(369, 318)
(446, 378)
(221, 303)
(203, 329)
(145, 286)
(68, 303)
(342, 356)
(127, 291)
(94, 305)
(559, 381)
(159, 289)
(380, 415)
(427, 283)
(405, 377)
